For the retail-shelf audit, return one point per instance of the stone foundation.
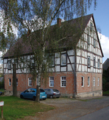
(89, 94)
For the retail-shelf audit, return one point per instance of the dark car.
(31, 94)
(52, 93)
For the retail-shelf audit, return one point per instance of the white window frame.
(62, 80)
(65, 55)
(94, 81)
(28, 81)
(9, 81)
(82, 78)
(98, 81)
(88, 80)
(50, 81)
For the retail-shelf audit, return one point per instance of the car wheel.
(21, 96)
(34, 98)
(51, 96)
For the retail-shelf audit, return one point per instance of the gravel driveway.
(69, 109)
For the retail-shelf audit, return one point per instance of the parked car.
(1, 93)
(51, 93)
(31, 94)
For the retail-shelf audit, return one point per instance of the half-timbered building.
(86, 61)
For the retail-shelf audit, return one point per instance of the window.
(9, 81)
(94, 62)
(17, 81)
(88, 81)
(91, 27)
(98, 63)
(82, 81)
(29, 82)
(52, 63)
(98, 81)
(63, 59)
(94, 43)
(63, 81)
(32, 63)
(94, 81)
(88, 61)
(16, 62)
(9, 64)
(51, 81)
(88, 40)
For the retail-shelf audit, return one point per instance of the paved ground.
(102, 114)
(68, 109)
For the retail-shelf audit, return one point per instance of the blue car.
(31, 94)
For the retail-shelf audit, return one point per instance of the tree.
(46, 38)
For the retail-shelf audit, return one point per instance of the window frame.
(9, 81)
(63, 65)
(52, 62)
(82, 79)
(50, 81)
(62, 81)
(9, 68)
(93, 81)
(88, 81)
(29, 82)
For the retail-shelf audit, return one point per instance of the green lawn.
(18, 108)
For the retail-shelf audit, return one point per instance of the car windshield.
(55, 90)
(41, 90)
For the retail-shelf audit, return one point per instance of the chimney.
(59, 21)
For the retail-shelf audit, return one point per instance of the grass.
(15, 108)
(106, 92)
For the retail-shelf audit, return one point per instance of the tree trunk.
(14, 81)
(38, 94)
